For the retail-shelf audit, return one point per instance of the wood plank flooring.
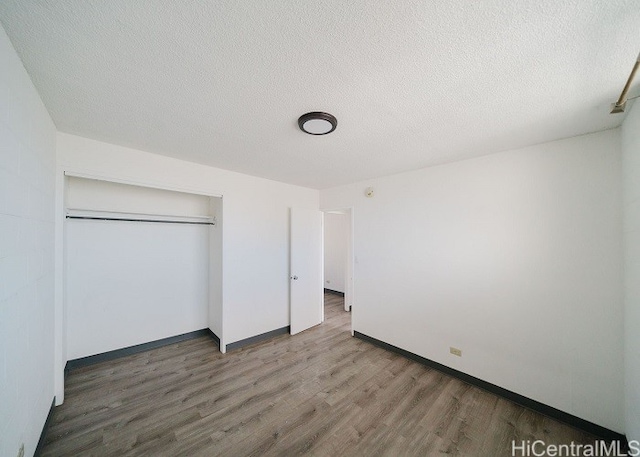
(321, 392)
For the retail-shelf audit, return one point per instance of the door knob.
(295, 278)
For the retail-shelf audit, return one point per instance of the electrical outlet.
(21, 450)
(455, 351)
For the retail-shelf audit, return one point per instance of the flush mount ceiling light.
(317, 123)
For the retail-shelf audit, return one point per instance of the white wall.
(515, 258)
(631, 235)
(131, 283)
(255, 224)
(27, 184)
(335, 251)
(99, 195)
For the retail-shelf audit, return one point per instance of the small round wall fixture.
(317, 123)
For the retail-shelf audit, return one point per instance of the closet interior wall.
(142, 264)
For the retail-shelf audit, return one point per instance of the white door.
(306, 278)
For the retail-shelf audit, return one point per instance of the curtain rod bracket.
(620, 105)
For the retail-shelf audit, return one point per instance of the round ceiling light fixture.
(317, 123)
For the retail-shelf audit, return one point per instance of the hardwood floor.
(321, 392)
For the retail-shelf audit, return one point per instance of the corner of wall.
(631, 239)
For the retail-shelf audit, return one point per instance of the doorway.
(338, 257)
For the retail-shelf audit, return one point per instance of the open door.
(306, 277)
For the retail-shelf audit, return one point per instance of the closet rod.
(96, 218)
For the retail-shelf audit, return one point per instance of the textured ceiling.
(413, 83)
